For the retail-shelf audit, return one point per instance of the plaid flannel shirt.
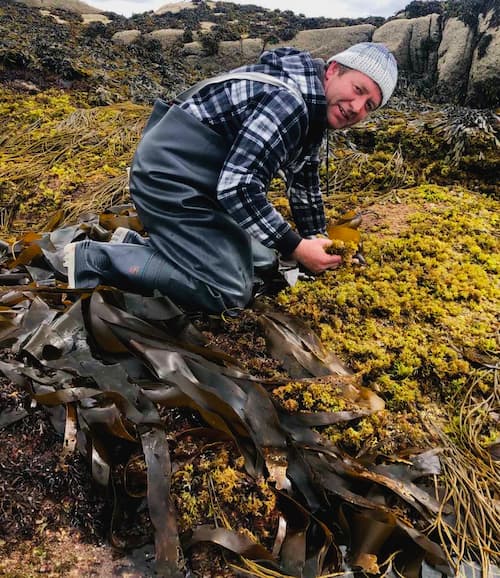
(270, 129)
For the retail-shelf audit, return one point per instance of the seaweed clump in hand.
(346, 238)
(348, 250)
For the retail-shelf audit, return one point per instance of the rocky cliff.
(452, 58)
(440, 56)
(451, 54)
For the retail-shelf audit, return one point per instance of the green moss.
(427, 293)
(215, 484)
(310, 396)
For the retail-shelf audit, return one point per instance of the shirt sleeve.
(306, 202)
(268, 138)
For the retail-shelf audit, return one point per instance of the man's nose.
(357, 105)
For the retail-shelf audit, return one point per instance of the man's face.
(350, 96)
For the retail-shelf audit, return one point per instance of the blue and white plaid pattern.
(270, 129)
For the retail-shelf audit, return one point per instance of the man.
(202, 169)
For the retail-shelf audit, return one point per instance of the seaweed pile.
(39, 53)
(116, 367)
(219, 454)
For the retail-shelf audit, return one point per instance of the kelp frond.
(461, 127)
(470, 483)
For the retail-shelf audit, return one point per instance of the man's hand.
(311, 253)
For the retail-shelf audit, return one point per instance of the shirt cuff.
(287, 244)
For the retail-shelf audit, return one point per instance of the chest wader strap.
(254, 76)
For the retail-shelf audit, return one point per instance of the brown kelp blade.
(161, 511)
(146, 357)
(351, 219)
(378, 533)
(112, 325)
(298, 348)
(111, 221)
(309, 547)
(230, 540)
(343, 233)
(12, 415)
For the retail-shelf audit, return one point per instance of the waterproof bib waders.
(196, 254)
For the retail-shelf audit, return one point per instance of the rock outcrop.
(451, 56)
(166, 36)
(412, 41)
(231, 54)
(126, 36)
(451, 59)
(73, 5)
(454, 59)
(484, 77)
(178, 6)
(324, 42)
(94, 17)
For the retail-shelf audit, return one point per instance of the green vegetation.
(58, 152)
(414, 321)
(427, 295)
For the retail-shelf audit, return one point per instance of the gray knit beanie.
(374, 60)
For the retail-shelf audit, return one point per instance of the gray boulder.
(125, 36)
(73, 5)
(324, 42)
(193, 49)
(166, 36)
(425, 38)
(484, 76)
(413, 42)
(231, 53)
(246, 50)
(454, 60)
(396, 35)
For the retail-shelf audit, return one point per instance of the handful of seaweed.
(346, 238)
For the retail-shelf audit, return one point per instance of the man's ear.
(330, 71)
